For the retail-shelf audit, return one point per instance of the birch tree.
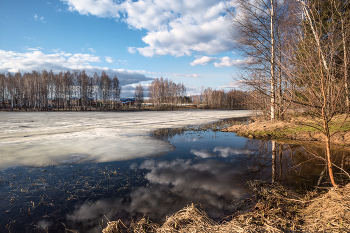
(256, 29)
(139, 95)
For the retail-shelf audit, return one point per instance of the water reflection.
(208, 168)
(294, 164)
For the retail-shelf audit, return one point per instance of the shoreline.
(281, 130)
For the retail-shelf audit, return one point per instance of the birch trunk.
(345, 67)
(272, 62)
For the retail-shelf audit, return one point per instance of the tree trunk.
(345, 67)
(272, 62)
(328, 148)
(329, 161)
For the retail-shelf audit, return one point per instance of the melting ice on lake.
(41, 139)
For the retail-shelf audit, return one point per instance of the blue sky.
(185, 41)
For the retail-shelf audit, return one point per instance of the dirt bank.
(293, 130)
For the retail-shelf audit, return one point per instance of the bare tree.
(116, 89)
(257, 27)
(139, 95)
(105, 88)
(317, 81)
(2, 89)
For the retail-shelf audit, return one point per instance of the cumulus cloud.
(99, 8)
(227, 62)
(174, 27)
(203, 61)
(36, 60)
(109, 59)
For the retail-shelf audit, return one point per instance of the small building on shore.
(127, 101)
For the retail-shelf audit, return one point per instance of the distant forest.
(65, 90)
(75, 90)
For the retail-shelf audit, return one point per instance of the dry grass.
(330, 213)
(188, 220)
(278, 210)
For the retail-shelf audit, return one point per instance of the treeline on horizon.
(164, 92)
(65, 90)
(75, 90)
(233, 99)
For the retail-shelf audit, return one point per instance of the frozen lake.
(39, 139)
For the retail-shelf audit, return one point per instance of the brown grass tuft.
(330, 213)
(278, 210)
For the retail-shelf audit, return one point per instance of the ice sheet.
(44, 139)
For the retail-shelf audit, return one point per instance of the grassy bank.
(298, 128)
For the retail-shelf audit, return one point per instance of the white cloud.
(231, 85)
(35, 17)
(203, 61)
(227, 62)
(60, 61)
(132, 50)
(174, 27)
(109, 59)
(80, 59)
(100, 8)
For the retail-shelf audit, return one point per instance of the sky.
(186, 41)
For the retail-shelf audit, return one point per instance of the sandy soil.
(284, 130)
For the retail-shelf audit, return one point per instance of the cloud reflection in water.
(173, 184)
